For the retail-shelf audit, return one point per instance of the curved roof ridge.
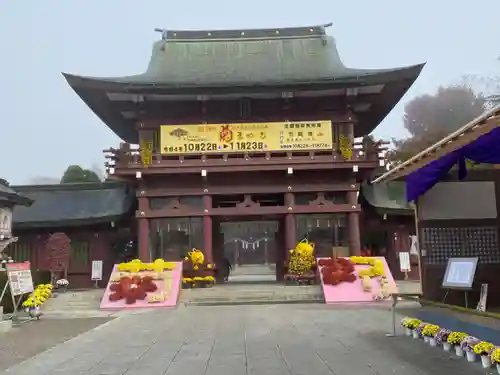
(235, 34)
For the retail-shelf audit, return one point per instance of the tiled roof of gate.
(211, 61)
(73, 204)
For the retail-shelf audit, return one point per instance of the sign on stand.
(404, 263)
(96, 271)
(459, 275)
(20, 282)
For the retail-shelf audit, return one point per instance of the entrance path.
(246, 340)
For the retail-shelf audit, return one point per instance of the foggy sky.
(45, 126)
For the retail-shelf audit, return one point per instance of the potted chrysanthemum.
(420, 329)
(442, 339)
(429, 332)
(495, 358)
(455, 339)
(484, 349)
(467, 346)
(413, 324)
(404, 324)
(187, 283)
(62, 285)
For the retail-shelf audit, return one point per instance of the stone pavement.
(236, 340)
(28, 339)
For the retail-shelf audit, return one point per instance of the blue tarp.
(485, 149)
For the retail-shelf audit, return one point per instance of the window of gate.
(326, 231)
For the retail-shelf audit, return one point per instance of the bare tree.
(429, 118)
(98, 170)
(488, 85)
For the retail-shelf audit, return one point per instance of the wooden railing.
(132, 157)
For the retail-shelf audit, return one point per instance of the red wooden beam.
(247, 211)
(258, 189)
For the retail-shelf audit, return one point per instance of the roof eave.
(68, 223)
(16, 199)
(93, 92)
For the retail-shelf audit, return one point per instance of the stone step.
(231, 294)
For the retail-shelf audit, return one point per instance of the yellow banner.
(246, 137)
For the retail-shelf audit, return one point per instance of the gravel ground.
(29, 339)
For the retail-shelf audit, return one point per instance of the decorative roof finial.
(163, 33)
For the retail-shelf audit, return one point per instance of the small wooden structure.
(457, 209)
(95, 216)
(9, 198)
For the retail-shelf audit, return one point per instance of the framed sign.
(20, 280)
(404, 262)
(96, 270)
(460, 273)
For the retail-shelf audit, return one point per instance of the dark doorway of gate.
(252, 247)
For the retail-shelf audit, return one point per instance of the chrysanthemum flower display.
(41, 294)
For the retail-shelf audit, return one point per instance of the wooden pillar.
(207, 229)
(143, 233)
(353, 226)
(290, 230)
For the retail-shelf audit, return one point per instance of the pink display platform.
(353, 292)
(171, 301)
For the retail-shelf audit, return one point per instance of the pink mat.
(171, 301)
(353, 292)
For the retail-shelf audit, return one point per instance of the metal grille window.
(444, 243)
(19, 251)
(80, 253)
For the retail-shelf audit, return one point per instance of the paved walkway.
(246, 340)
(28, 339)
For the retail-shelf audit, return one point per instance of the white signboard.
(460, 273)
(404, 262)
(97, 270)
(20, 280)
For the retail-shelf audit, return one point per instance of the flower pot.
(432, 341)
(199, 284)
(498, 368)
(471, 356)
(426, 339)
(415, 334)
(408, 332)
(486, 361)
(458, 351)
(446, 347)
